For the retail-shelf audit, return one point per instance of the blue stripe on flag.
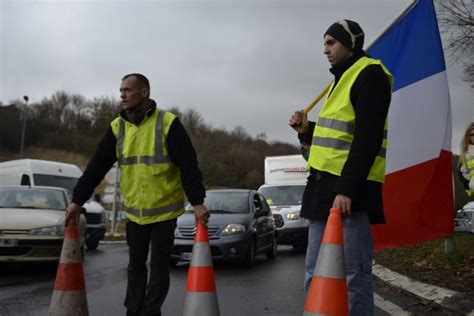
(411, 49)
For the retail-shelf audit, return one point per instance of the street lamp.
(24, 127)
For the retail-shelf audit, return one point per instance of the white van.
(285, 181)
(34, 172)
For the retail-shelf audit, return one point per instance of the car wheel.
(272, 252)
(250, 258)
(92, 244)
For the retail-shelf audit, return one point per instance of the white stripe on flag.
(418, 120)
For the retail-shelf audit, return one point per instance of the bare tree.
(456, 19)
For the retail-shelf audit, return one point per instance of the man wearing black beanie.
(347, 158)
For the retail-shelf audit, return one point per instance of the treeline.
(70, 122)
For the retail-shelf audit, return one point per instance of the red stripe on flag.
(200, 279)
(70, 277)
(418, 203)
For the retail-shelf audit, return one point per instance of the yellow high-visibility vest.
(469, 165)
(334, 131)
(150, 183)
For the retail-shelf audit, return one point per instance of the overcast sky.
(247, 63)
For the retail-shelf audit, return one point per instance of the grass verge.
(428, 262)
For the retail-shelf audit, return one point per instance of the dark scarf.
(339, 69)
(135, 115)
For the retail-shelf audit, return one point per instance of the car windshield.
(284, 194)
(225, 202)
(32, 198)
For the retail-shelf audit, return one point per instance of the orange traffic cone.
(69, 295)
(201, 296)
(327, 294)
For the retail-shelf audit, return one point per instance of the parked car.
(32, 223)
(464, 220)
(241, 226)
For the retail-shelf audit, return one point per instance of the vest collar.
(339, 69)
(148, 112)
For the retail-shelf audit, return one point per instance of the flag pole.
(400, 16)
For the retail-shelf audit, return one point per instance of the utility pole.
(24, 126)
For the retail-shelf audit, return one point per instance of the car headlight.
(103, 217)
(57, 230)
(231, 229)
(293, 216)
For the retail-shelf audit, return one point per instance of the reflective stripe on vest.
(154, 211)
(334, 131)
(339, 143)
(148, 160)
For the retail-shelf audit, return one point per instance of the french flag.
(418, 193)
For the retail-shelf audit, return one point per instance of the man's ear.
(145, 92)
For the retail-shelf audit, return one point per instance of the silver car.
(32, 223)
(464, 220)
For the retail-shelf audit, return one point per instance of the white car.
(32, 223)
(464, 220)
(285, 203)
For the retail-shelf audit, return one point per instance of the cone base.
(201, 303)
(327, 296)
(68, 303)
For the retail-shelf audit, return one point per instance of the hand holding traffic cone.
(69, 296)
(201, 296)
(327, 294)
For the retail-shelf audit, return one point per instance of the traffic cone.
(201, 296)
(327, 294)
(69, 295)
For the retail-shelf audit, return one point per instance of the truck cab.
(34, 172)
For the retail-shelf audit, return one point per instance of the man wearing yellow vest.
(347, 158)
(158, 167)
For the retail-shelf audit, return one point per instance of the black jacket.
(180, 149)
(370, 96)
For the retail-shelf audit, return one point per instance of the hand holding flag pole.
(311, 106)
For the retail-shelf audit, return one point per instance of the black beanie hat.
(348, 33)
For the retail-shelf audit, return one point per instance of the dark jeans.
(146, 298)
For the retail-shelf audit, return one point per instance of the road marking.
(388, 306)
(427, 291)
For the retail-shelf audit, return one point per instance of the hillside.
(69, 127)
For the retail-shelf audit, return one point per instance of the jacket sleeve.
(370, 96)
(182, 153)
(100, 163)
(307, 137)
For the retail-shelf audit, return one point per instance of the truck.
(35, 172)
(285, 180)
